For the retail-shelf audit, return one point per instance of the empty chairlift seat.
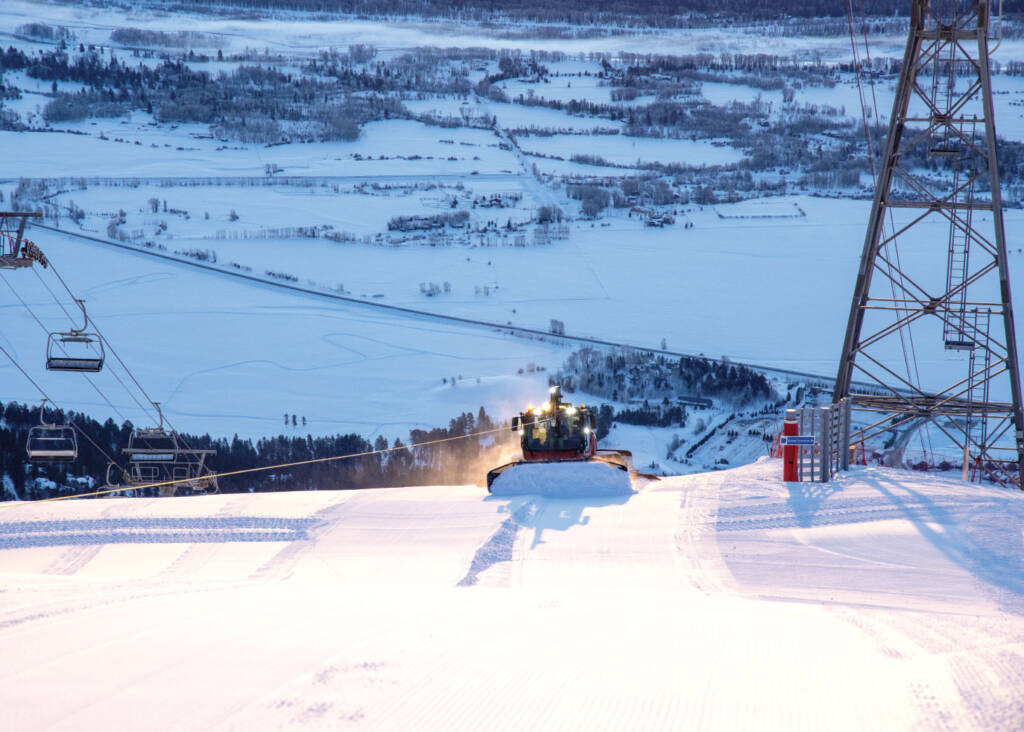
(153, 445)
(75, 350)
(51, 442)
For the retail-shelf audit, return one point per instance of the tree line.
(628, 375)
(457, 456)
(252, 103)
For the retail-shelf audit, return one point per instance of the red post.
(791, 426)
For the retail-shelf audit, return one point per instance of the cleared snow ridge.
(563, 480)
(883, 600)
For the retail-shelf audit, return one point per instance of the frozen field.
(621, 150)
(389, 143)
(718, 601)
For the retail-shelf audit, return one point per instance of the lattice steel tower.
(932, 296)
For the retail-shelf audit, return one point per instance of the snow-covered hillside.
(727, 601)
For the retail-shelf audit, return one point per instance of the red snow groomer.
(559, 432)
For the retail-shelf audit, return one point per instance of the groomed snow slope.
(726, 601)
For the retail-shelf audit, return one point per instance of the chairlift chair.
(153, 444)
(157, 455)
(75, 350)
(51, 442)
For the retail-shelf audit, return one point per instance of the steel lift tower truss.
(15, 250)
(932, 295)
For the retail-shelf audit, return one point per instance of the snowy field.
(725, 601)
(143, 150)
(621, 150)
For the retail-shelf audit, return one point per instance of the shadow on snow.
(539, 514)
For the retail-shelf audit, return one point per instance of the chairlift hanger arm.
(85, 316)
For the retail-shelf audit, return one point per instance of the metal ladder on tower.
(979, 378)
(956, 332)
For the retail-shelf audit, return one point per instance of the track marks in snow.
(969, 665)
(696, 544)
(884, 639)
(72, 559)
(983, 657)
(623, 541)
(925, 570)
(500, 546)
(831, 513)
(196, 556)
(988, 680)
(122, 284)
(156, 530)
(282, 564)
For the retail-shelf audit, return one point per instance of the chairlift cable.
(53, 294)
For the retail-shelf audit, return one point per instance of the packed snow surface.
(884, 600)
(563, 480)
